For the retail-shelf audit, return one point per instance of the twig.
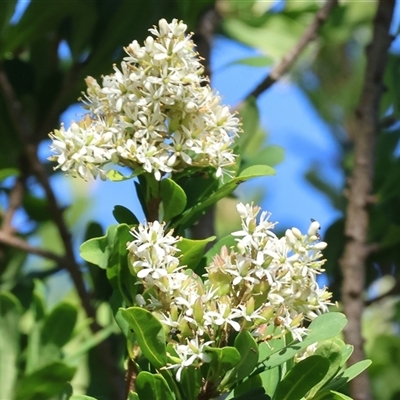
(21, 244)
(24, 132)
(356, 249)
(290, 58)
(15, 200)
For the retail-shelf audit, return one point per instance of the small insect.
(317, 234)
(174, 332)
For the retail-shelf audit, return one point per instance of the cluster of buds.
(155, 114)
(266, 285)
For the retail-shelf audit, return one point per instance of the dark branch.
(360, 185)
(291, 57)
(26, 136)
(21, 244)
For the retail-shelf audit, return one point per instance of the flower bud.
(319, 246)
(164, 27)
(174, 312)
(250, 306)
(198, 311)
(297, 233)
(149, 44)
(140, 300)
(296, 320)
(267, 313)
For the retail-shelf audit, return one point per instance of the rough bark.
(360, 186)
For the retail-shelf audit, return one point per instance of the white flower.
(161, 115)
(192, 353)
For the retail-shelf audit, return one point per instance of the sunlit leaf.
(323, 327)
(117, 176)
(191, 251)
(257, 61)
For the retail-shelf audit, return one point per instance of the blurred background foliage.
(44, 342)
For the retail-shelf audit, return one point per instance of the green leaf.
(37, 18)
(190, 382)
(257, 61)
(110, 252)
(117, 176)
(81, 26)
(45, 382)
(81, 397)
(67, 392)
(323, 327)
(99, 250)
(270, 379)
(133, 396)
(7, 9)
(356, 369)
(330, 350)
(301, 378)
(347, 351)
(192, 214)
(92, 341)
(192, 251)
(36, 207)
(124, 216)
(339, 396)
(270, 155)
(34, 357)
(248, 349)
(223, 359)
(349, 374)
(250, 117)
(173, 199)
(149, 334)
(59, 324)
(198, 185)
(10, 313)
(257, 393)
(152, 386)
(8, 172)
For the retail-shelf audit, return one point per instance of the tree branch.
(356, 249)
(14, 201)
(24, 132)
(25, 135)
(291, 57)
(18, 243)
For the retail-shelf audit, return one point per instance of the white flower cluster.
(155, 114)
(267, 286)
